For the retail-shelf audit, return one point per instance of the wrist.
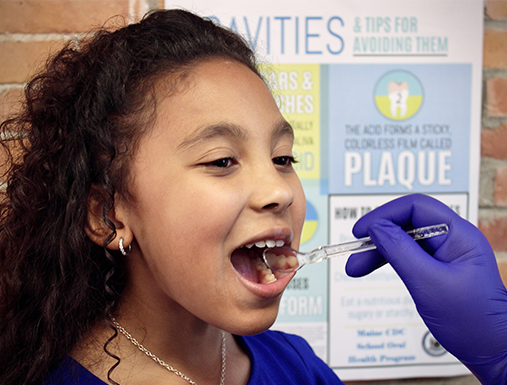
(491, 372)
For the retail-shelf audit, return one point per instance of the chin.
(256, 323)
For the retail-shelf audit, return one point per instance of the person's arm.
(453, 279)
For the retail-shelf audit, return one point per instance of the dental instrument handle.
(364, 244)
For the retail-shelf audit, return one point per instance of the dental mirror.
(286, 260)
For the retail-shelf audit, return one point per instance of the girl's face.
(213, 175)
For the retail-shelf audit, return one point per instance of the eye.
(284, 160)
(222, 163)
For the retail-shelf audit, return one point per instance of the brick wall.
(493, 183)
(30, 29)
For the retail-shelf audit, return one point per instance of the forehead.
(217, 92)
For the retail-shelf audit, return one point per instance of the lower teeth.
(266, 275)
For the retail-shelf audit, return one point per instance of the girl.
(155, 169)
(152, 168)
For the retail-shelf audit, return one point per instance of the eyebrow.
(207, 133)
(282, 128)
(211, 132)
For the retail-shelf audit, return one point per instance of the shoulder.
(70, 372)
(278, 357)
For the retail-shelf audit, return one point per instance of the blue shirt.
(276, 358)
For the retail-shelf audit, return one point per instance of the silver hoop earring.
(122, 250)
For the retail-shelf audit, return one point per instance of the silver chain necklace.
(162, 363)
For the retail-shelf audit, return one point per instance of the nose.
(273, 191)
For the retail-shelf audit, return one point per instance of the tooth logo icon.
(398, 95)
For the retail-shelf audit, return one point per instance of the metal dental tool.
(284, 259)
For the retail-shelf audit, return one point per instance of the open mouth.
(247, 260)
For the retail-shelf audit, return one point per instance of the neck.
(175, 336)
(189, 345)
(162, 363)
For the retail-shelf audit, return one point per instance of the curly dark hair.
(82, 118)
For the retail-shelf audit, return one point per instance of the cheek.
(197, 217)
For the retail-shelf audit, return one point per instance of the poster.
(384, 97)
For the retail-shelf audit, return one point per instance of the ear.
(96, 227)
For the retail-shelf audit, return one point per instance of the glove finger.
(418, 208)
(415, 210)
(361, 264)
(411, 262)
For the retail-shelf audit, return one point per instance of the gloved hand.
(453, 279)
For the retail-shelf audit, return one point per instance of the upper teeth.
(267, 243)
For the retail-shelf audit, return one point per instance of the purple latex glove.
(453, 279)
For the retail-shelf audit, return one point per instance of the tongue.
(244, 264)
